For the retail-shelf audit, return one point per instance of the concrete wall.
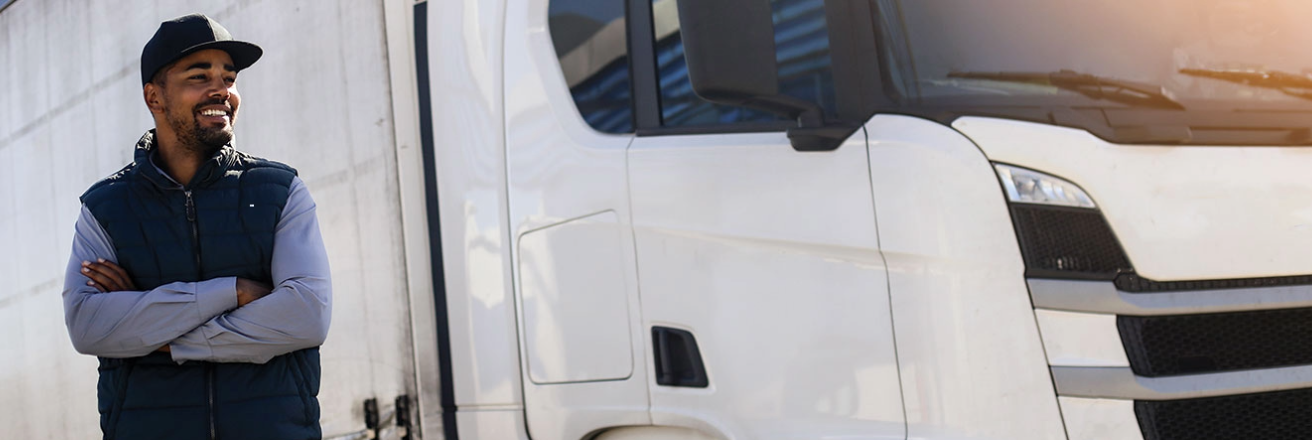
(70, 111)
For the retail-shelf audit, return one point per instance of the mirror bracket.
(821, 138)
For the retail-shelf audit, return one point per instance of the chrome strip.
(1121, 383)
(1102, 297)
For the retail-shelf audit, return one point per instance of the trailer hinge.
(404, 422)
(371, 420)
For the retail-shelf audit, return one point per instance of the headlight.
(1029, 186)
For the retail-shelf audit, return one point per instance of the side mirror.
(730, 53)
(729, 47)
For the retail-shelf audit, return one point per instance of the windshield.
(1198, 53)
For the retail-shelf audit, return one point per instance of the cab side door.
(763, 259)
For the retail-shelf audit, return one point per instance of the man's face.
(199, 100)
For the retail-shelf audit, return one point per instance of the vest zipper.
(195, 242)
(210, 370)
(195, 231)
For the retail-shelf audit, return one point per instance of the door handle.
(678, 360)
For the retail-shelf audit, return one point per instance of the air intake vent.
(1059, 242)
(1189, 344)
(1283, 415)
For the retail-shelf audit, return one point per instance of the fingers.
(125, 281)
(106, 276)
(97, 280)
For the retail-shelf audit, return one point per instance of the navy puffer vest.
(221, 225)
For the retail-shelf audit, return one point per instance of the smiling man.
(198, 274)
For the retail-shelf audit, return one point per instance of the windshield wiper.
(1292, 84)
(1097, 87)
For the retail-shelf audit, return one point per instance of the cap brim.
(243, 54)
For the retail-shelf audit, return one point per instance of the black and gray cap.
(184, 35)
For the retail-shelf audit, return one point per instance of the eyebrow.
(207, 65)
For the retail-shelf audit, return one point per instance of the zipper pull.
(191, 207)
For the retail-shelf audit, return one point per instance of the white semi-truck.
(736, 219)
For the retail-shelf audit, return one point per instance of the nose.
(219, 88)
(220, 91)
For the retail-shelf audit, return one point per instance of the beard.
(204, 141)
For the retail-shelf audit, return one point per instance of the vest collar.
(210, 171)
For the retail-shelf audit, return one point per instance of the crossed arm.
(222, 319)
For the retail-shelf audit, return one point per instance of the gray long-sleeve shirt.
(201, 321)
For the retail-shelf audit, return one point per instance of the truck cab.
(874, 219)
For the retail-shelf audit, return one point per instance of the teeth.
(214, 113)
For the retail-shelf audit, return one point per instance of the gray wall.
(70, 111)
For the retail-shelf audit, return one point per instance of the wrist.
(236, 289)
(248, 291)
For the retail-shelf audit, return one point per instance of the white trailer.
(740, 219)
(320, 99)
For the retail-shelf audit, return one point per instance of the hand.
(248, 290)
(107, 276)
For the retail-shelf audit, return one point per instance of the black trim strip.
(760, 127)
(642, 66)
(434, 223)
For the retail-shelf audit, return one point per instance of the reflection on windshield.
(1144, 41)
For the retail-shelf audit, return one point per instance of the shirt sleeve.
(132, 323)
(294, 316)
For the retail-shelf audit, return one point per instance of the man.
(198, 272)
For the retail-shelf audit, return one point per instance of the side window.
(591, 43)
(801, 49)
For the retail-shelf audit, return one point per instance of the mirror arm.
(811, 132)
(824, 138)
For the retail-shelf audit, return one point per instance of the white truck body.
(511, 267)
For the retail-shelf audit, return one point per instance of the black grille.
(1281, 415)
(1189, 344)
(1063, 242)
(1130, 282)
(1059, 242)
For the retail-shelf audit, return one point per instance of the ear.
(154, 97)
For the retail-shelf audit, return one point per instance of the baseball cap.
(184, 35)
